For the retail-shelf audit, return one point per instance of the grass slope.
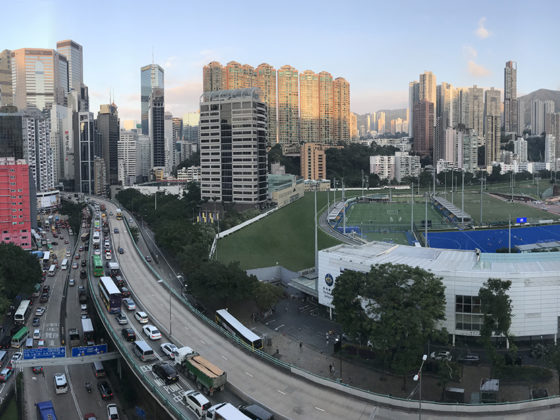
(285, 237)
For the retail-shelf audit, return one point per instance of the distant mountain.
(539, 95)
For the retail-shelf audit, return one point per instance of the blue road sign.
(44, 353)
(521, 220)
(89, 350)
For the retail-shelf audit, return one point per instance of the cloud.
(169, 62)
(477, 70)
(481, 31)
(469, 52)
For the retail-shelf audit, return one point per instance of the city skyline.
(470, 46)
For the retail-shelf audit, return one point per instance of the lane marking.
(319, 409)
(248, 374)
(224, 357)
(278, 327)
(202, 342)
(283, 393)
(72, 392)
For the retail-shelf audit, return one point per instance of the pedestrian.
(331, 368)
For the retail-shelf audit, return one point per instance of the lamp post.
(418, 378)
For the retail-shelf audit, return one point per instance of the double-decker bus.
(97, 266)
(22, 311)
(19, 338)
(110, 294)
(231, 324)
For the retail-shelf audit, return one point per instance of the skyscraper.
(39, 78)
(492, 138)
(126, 154)
(238, 76)
(413, 99)
(309, 106)
(151, 77)
(74, 54)
(266, 82)
(423, 128)
(108, 126)
(6, 94)
(341, 110)
(156, 124)
(492, 106)
(475, 120)
(233, 171)
(510, 98)
(539, 110)
(213, 77)
(427, 88)
(288, 106)
(84, 161)
(313, 161)
(326, 108)
(444, 106)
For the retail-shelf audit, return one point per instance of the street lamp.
(418, 378)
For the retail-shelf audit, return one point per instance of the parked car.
(122, 319)
(37, 334)
(128, 334)
(105, 390)
(5, 374)
(151, 332)
(129, 304)
(441, 355)
(166, 372)
(469, 359)
(169, 349)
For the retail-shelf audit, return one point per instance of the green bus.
(19, 338)
(97, 266)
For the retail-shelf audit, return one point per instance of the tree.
(267, 295)
(395, 306)
(19, 272)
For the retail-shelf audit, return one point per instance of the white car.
(141, 317)
(129, 304)
(36, 334)
(441, 355)
(68, 254)
(97, 252)
(152, 332)
(112, 412)
(17, 356)
(196, 402)
(170, 350)
(122, 319)
(39, 311)
(108, 255)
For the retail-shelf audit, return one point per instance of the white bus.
(64, 265)
(46, 259)
(52, 270)
(60, 383)
(22, 312)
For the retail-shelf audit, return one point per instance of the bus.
(22, 312)
(110, 294)
(97, 266)
(74, 337)
(231, 324)
(119, 214)
(85, 236)
(88, 333)
(19, 338)
(45, 411)
(46, 260)
(97, 224)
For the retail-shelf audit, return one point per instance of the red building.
(15, 204)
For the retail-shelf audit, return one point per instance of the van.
(29, 343)
(255, 412)
(64, 265)
(52, 270)
(3, 355)
(98, 369)
(143, 351)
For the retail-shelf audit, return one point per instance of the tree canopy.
(394, 306)
(495, 305)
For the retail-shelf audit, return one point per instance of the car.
(90, 416)
(6, 342)
(130, 220)
(68, 253)
(36, 322)
(16, 356)
(121, 319)
(441, 355)
(86, 247)
(37, 369)
(5, 374)
(37, 334)
(83, 274)
(66, 241)
(54, 243)
(105, 390)
(166, 372)
(116, 230)
(125, 292)
(119, 281)
(121, 250)
(44, 298)
(129, 304)
(196, 402)
(39, 311)
(77, 256)
(112, 412)
(84, 263)
(128, 334)
(169, 349)
(97, 252)
(83, 308)
(151, 332)
(81, 248)
(71, 282)
(108, 255)
(46, 288)
(141, 317)
(469, 359)
(148, 258)
(74, 265)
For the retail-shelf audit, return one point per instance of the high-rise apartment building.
(475, 120)
(86, 147)
(15, 202)
(108, 125)
(75, 56)
(423, 128)
(380, 123)
(492, 106)
(520, 149)
(341, 110)
(444, 106)
(492, 138)
(239, 76)
(39, 78)
(6, 94)
(126, 149)
(213, 77)
(326, 109)
(99, 176)
(539, 110)
(151, 77)
(511, 105)
(156, 124)
(427, 88)
(288, 106)
(266, 82)
(353, 126)
(233, 161)
(309, 106)
(313, 161)
(413, 99)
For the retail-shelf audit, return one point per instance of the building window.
(467, 313)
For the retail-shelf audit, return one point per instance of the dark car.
(121, 250)
(125, 292)
(36, 322)
(6, 342)
(127, 333)
(105, 390)
(46, 288)
(44, 298)
(84, 262)
(83, 274)
(166, 372)
(86, 247)
(54, 243)
(119, 281)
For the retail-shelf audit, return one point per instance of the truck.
(114, 268)
(207, 376)
(102, 207)
(225, 411)
(45, 410)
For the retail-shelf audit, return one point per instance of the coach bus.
(45, 411)
(231, 324)
(22, 312)
(19, 338)
(110, 294)
(97, 266)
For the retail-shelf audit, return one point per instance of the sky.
(379, 47)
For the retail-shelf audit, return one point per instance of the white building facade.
(126, 154)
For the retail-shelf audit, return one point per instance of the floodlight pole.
(315, 218)
(426, 220)
(509, 236)
(481, 175)
(463, 197)
(412, 208)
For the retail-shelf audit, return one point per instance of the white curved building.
(535, 289)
